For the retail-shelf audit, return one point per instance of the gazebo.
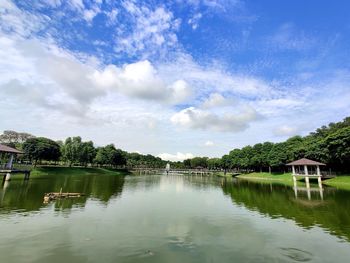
(306, 168)
(7, 167)
(12, 151)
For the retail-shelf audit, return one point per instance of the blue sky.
(173, 78)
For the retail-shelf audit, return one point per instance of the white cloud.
(286, 130)
(287, 37)
(15, 21)
(217, 100)
(209, 143)
(175, 157)
(112, 15)
(194, 21)
(90, 14)
(153, 31)
(77, 4)
(215, 79)
(141, 80)
(228, 122)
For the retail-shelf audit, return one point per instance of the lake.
(175, 218)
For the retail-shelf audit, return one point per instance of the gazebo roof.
(305, 161)
(7, 149)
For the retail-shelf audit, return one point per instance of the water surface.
(175, 218)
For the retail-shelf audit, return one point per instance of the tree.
(38, 149)
(234, 159)
(119, 158)
(226, 162)
(199, 162)
(265, 152)
(277, 156)
(87, 153)
(214, 163)
(74, 150)
(110, 156)
(71, 150)
(13, 138)
(338, 146)
(187, 163)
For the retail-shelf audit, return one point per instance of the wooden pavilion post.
(319, 176)
(294, 178)
(10, 162)
(307, 181)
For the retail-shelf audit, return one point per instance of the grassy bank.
(280, 178)
(286, 177)
(340, 182)
(222, 174)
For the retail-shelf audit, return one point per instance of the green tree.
(87, 153)
(277, 156)
(71, 150)
(38, 149)
(14, 138)
(110, 156)
(199, 162)
(214, 163)
(338, 147)
(187, 163)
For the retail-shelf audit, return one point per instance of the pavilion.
(308, 169)
(7, 168)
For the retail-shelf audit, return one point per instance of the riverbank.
(340, 182)
(281, 178)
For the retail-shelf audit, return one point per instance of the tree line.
(75, 152)
(329, 144)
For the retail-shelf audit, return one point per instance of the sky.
(175, 79)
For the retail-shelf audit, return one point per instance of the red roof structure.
(305, 161)
(7, 149)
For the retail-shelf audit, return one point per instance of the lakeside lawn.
(340, 182)
(285, 177)
(278, 178)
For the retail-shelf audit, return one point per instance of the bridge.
(202, 172)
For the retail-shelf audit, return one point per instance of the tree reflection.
(332, 213)
(26, 196)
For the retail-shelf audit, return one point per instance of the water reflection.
(326, 207)
(171, 218)
(27, 196)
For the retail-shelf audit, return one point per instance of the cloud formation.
(200, 119)
(209, 143)
(141, 80)
(286, 130)
(175, 157)
(217, 100)
(153, 31)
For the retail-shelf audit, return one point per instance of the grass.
(279, 178)
(222, 174)
(286, 177)
(340, 182)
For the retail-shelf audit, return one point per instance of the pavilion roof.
(7, 149)
(305, 161)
